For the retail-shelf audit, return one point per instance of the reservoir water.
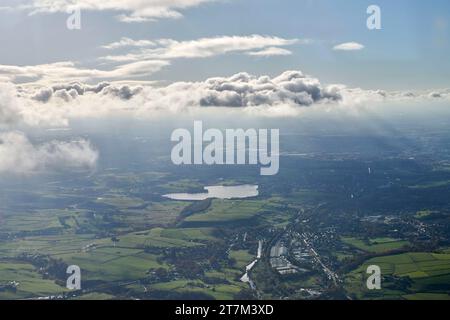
(218, 192)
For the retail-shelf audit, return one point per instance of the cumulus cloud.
(435, 95)
(19, 155)
(291, 91)
(71, 91)
(348, 46)
(22, 106)
(56, 104)
(43, 94)
(243, 90)
(128, 10)
(167, 49)
(9, 107)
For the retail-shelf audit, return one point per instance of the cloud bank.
(19, 155)
(55, 105)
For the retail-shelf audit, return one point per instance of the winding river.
(246, 278)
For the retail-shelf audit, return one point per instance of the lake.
(218, 192)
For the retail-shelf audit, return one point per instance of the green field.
(157, 213)
(218, 291)
(113, 264)
(432, 184)
(160, 238)
(375, 245)
(405, 276)
(424, 214)
(46, 245)
(37, 220)
(94, 296)
(242, 257)
(190, 234)
(107, 260)
(228, 210)
(129, 214)
(29, 282)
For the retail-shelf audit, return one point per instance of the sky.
(410, 52)
(139, 60)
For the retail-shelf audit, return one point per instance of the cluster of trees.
(49, 268)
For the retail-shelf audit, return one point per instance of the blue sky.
(410, 52)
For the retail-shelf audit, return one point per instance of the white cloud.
(58, 104)
(9, 107)
(349, 46)
(145, 61)
(128, 10)
(271, 51)
(19, 155)
(127, 42)
(202, 48)
(55, 105)
(243, 90)
(69, 71)
(290, 92)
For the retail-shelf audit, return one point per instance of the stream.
(246, 278)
